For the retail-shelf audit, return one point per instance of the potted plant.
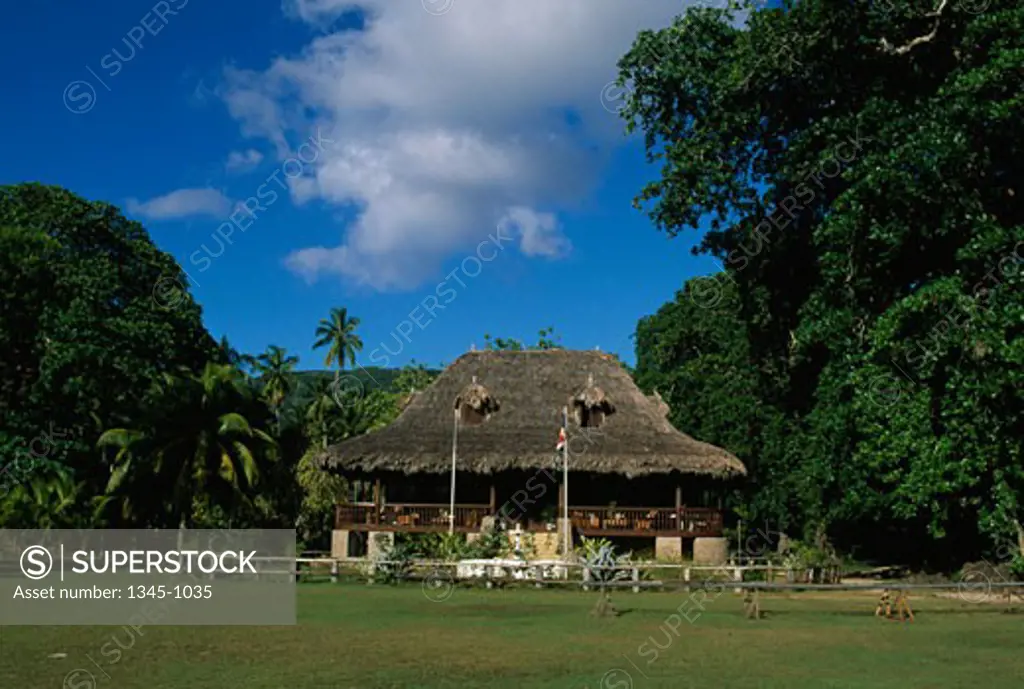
(614, 518)
(609, 514)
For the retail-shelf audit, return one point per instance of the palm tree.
(197, 443)
(275, 369)
(337, 333)
(229, 353)
(321, 405)
(45, 500)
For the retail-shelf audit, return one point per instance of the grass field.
(368, 637)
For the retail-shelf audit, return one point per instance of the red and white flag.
(561, 439)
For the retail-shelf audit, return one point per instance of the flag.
(561, 439)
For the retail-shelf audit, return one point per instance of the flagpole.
(455, 449)
(565, 483)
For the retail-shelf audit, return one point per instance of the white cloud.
(445, 125)
(182, 203)
(539, 233)
(243, 161)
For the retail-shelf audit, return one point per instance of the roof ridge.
(553, 350)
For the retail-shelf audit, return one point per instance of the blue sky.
(440, 123)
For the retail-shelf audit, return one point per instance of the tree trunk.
(1020, 538)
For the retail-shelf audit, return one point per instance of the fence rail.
(729, 576)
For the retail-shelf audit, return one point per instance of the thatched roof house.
(510, 405)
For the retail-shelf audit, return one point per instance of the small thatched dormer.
(591, 405)
(475, 404)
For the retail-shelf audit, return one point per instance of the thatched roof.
(523, 394)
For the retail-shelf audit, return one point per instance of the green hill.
(369, 378)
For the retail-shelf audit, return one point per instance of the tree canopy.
(856, 166)
(92, 314)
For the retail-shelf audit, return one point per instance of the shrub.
(394, 562)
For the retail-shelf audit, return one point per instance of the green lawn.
(358, 636)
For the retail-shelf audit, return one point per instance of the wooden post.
(377, 504)
(636, 579)
(679, 508)
(494, 498)
(334, 571)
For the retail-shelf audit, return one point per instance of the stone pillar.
(548, 545)
(339, 543)
(668, 548)
(710, 551)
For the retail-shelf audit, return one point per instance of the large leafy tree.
(195, 446)
(857, 166)
(322, 491)
(91, 312)
(694, 353)
(338, 334)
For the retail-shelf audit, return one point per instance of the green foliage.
(490, 544)
(338, 335)
(589, 548)
(860, 187)
(1017, 567)
(393, 562)
(802, 555)
(442, 546)
(322, 405)
(48, 498)
(119, 409)
(321, 491)
(194, 443)
(91, 312)
(609, 565)
(451, 547)
(546, 339)
(275, 369)
(364, 414)
(413, 377)
(502, 344)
